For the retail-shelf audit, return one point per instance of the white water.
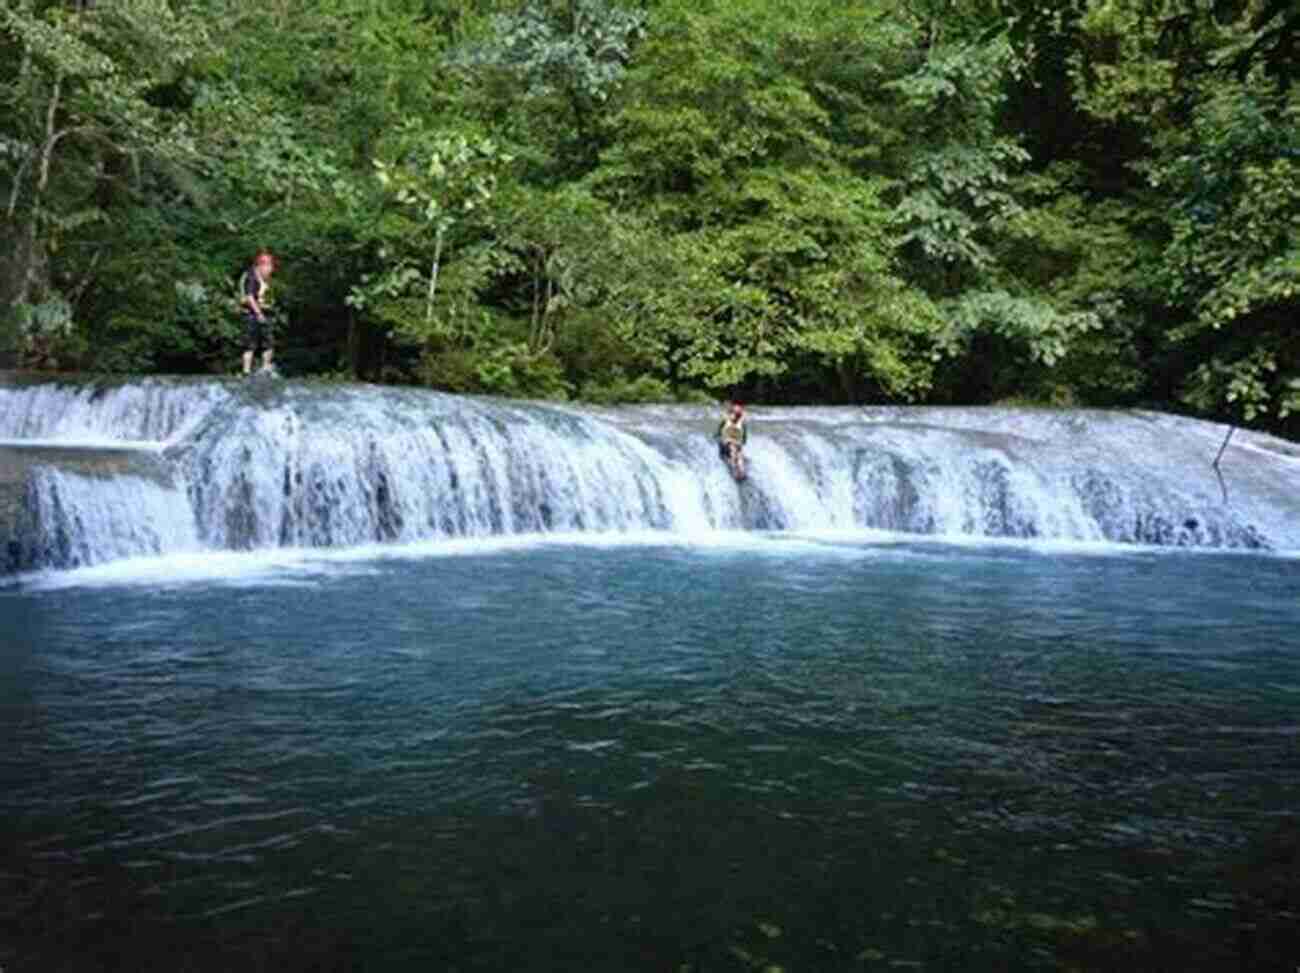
(84, 520)
(308, 567)
(144, 411)
(295, 466)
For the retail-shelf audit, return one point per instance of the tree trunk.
(24, 69)
(535, 325)
(848, 381)
(544, 333)
(27, 259)
(433, 277)
(353, 350)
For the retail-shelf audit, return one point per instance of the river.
(733, 751)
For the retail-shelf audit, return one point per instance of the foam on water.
(295, 567)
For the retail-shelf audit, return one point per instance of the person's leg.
(268, 346)
(737, 460)
(250, 342)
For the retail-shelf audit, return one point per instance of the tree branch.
(433, 277)
(535, 324)
(16, 190)
(1215, 465)
(52, 137)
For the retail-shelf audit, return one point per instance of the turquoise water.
(816, 753)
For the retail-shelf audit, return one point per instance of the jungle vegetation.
(1091, 202)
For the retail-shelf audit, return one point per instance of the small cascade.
(920, 479)
(299, 475)
(255, 466)
(78, 520)
(139, 411)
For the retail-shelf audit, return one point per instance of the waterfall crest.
(240, 466)
(143, 411)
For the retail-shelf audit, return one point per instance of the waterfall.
(242, 466)
(147, 410)
(77, 520)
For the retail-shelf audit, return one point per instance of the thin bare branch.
(1215, 465)
(433, 276)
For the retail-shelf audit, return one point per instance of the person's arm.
(744, 432)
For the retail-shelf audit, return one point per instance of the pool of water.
(811, 753)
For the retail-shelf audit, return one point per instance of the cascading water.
(242, 466)
(81, 520)
(145, 411)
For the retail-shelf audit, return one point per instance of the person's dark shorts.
(258, 335)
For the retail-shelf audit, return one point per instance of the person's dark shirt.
(253, 287)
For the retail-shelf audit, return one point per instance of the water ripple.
(600, 733)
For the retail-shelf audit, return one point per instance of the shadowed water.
(814, 753)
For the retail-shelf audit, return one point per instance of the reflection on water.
(809, 753)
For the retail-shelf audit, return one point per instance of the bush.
(617, 388)
(508, 370)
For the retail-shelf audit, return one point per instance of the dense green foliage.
(1092, 202)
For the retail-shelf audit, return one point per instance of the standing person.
(732, 436)
(254, 304)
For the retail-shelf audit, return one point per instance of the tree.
(1223, 129)
(769, 247)
(551, 69)
(438, 186)
(81, 124)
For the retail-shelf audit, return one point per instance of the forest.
(1057, 202)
